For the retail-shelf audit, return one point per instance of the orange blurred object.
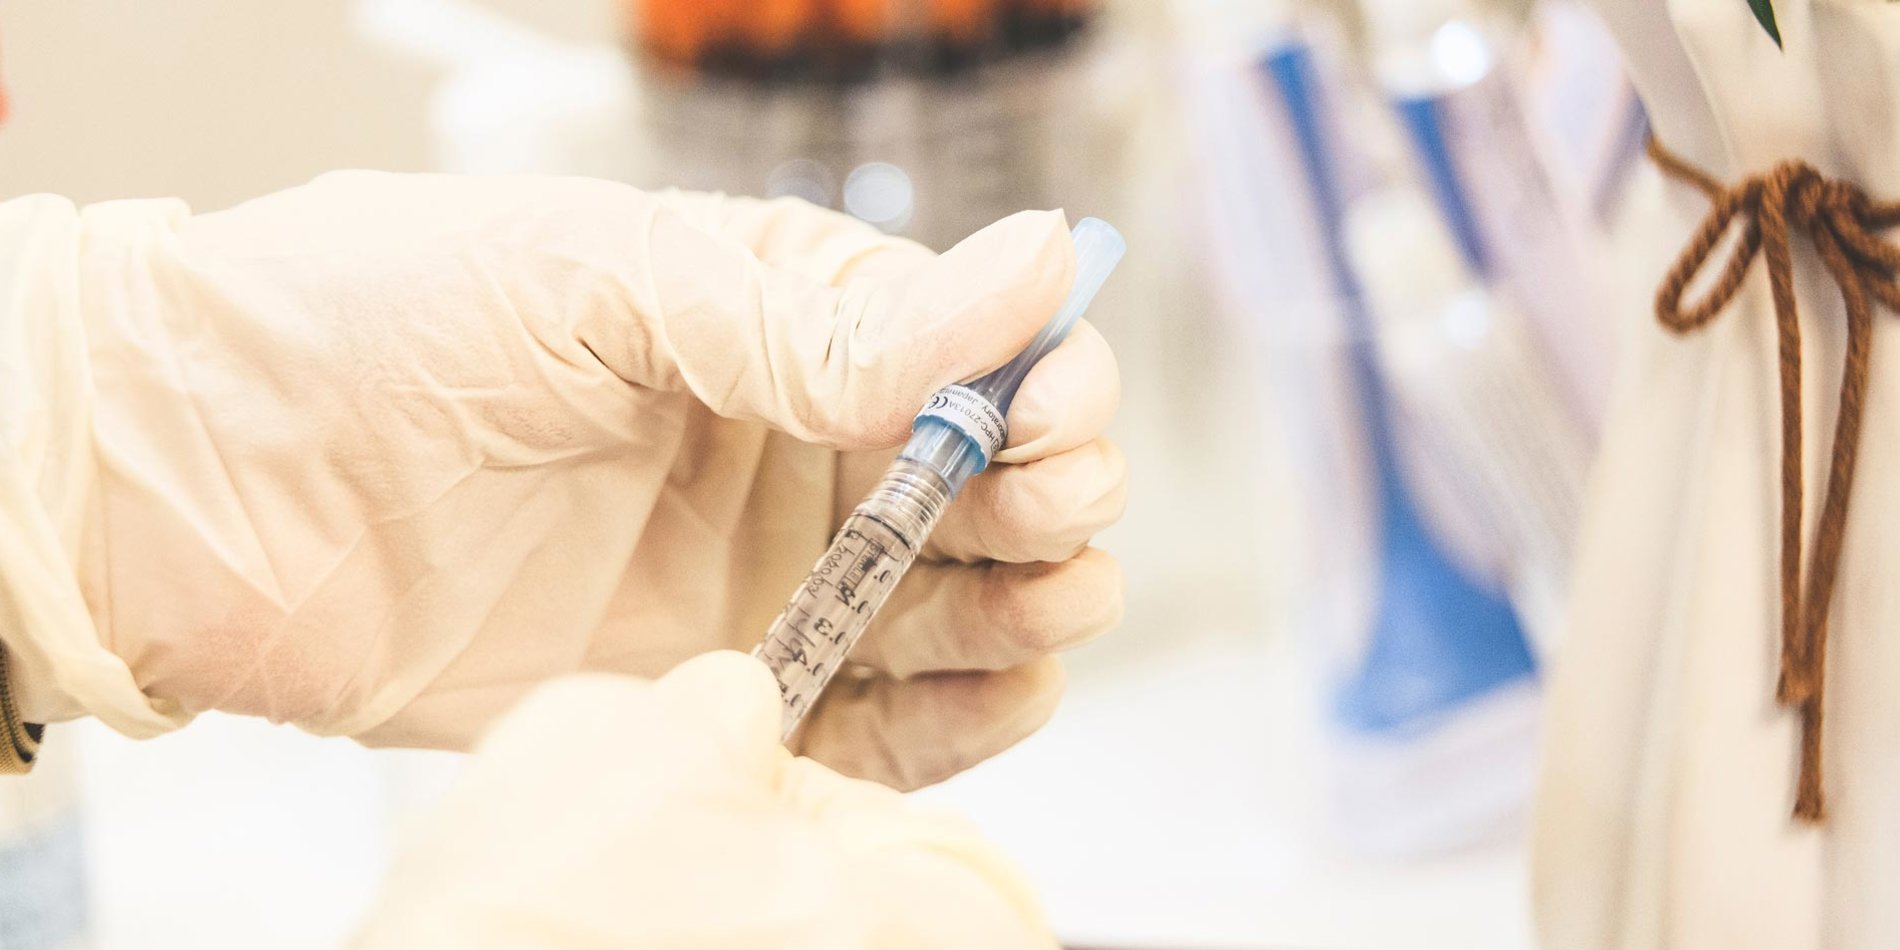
(775, 26)
(684, 31)
(862, 21)
(843, 39)
(666, 29)
(963, 21)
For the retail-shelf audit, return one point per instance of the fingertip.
(952, 319)
(1042, 510)
(1113, 597)
(719, 669)
(997, 287)
(1053, 518)
(1042, 243)
(1038, 690)
(1068, 399)
(1051, 680)
(1045, 608)
(732, 692)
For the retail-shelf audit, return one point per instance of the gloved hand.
(377, 454)
(612, 812)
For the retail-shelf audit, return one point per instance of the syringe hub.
(962, 427)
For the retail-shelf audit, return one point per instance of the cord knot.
(1844, 226)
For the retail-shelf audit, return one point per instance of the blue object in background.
(43, 902)
(1424, 119)
(1439, 638)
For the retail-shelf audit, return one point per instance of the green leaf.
(1765, 15)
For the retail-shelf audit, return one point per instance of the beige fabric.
(1664, 815)
(613, 812)
(377, 454)
(47, 479)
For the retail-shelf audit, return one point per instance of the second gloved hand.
(605, 811)
(377, 454)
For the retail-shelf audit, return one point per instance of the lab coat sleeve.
(58, 666)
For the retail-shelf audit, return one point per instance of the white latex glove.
(613, 812)
(376, 454)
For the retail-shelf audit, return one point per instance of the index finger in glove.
(1066, 400)
(795, 235)
(840, 366)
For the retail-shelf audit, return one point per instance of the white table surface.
(1163, 809)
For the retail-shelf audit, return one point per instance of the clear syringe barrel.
(953, 438)
(833, 608)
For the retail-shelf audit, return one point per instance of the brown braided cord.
(1843, 225)
(19, 740)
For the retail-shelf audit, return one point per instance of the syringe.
(953, 438)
